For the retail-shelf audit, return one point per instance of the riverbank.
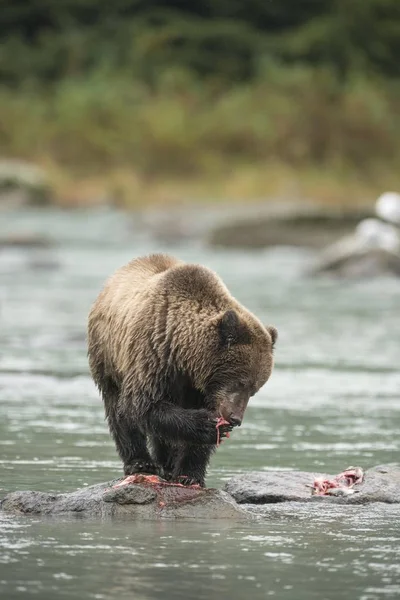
(295, 135)
(126, 188)
(123, 187)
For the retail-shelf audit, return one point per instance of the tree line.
(229, 40)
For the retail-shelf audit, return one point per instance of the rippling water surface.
(333, 400)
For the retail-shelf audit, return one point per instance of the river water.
(333, 400)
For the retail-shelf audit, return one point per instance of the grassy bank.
(295, 133)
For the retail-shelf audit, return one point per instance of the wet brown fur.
(170, 350)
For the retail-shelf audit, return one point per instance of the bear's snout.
(233, 407)
(235, 420)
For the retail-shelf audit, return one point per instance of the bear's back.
(134, 280)
(159, 275)
(140, 271)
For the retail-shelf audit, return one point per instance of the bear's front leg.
(191, 464)
(194, 426)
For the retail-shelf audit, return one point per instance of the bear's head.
(242, 364)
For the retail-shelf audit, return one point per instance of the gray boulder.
(371, 263)
(136, 501)
(23, 184)
(373, 249)
(381, 484)
(344, 260)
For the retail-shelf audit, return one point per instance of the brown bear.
(171, 351)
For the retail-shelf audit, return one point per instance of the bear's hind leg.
(129, 440)
(131, 446)
(191, 466)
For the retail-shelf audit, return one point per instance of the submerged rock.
(136, 501)
(381, 484)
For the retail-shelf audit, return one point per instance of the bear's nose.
(235, 421)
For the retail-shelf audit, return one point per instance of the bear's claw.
(140, 466)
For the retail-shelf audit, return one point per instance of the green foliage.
(194, 87)
(46, 40)
(297, 116)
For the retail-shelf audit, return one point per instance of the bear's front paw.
(167, 475)
(190, 481)
(212, 432)
(140, 466)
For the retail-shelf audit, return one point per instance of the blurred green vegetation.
(198, 88)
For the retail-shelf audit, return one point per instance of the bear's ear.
(273, 332)
(231, 329)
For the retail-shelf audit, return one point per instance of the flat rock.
(241, 499)
(135, 501)
(270, 487)
(381, 484)
(312, 228)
